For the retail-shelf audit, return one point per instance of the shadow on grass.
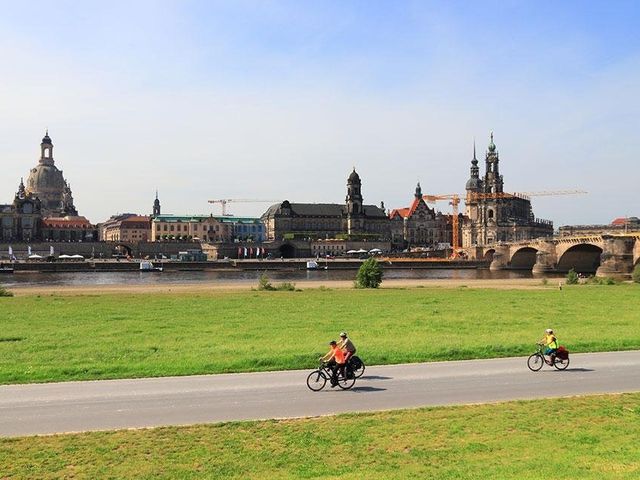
(367, 389)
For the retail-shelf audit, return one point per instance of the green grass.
(571, 438)
(53, 338)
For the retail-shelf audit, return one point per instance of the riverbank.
(231, 286)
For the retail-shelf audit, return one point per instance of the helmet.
(548, 330)
(343, 334)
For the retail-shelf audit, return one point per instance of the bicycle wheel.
(346, 383)
(357, 366)
(316, 380)
(535, 362)
(561, 364)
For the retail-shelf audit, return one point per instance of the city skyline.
(207, 100)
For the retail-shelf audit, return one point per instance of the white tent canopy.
(375, 250)
(35, 256)
(352, 251)
(362, 250)
(77, 256)
(63, 256)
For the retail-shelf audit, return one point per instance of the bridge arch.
(488, 255)
(523, 259)
(123, 249)
(582, 257)
(286, 250)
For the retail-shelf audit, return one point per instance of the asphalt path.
(134, 403)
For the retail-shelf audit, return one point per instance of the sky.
(274, 100)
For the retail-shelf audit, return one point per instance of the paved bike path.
(133, 403)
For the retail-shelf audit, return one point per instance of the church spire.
(46, 150)
(156, 206)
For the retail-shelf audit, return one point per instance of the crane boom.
(224, 202)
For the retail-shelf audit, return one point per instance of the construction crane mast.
(454, 201)
(223, 202)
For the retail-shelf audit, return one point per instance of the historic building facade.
(419, 225)
(353, 219)
(43, 209)
(192, 227)
(20, 221)
(493, 215)
(127, 227)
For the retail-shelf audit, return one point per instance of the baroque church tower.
(156, 207)
(355, 211)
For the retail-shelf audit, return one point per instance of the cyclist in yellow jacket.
(550, 343)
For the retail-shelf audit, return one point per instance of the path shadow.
(367, 389)
(375, 377)
(579, 370)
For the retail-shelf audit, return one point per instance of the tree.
(572, 277)
(635, 276)
(369, 274)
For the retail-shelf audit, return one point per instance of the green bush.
(572, 277)
(635, 276)
(369, 274)
(5, 293)
(265, 285)
(593, 280)
(286, 287)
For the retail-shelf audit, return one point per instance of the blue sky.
(276, 100)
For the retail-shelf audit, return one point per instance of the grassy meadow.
(57, 338)
(595, 438)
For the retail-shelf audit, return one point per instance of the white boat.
(147, 266)
(312, 265)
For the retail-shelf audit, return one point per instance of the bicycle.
(560, 360)
(317, 379)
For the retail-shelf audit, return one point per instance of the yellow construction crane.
(471, 196)
(224, 202)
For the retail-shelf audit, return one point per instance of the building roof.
(406, 212)
(66, 222)
(136, 219)
(322, 210)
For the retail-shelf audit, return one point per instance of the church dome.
(47, 139)
(354, 177)
(47, 183)
(473, 183)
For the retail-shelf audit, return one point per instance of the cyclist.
(550, 343)
(335, 360)
(347, 346)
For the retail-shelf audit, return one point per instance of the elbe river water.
(240, 276)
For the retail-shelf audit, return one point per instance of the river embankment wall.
(253, 264)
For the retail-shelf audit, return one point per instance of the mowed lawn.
(53, 338)
(569, 438)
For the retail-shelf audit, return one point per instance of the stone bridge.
(605, 254)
